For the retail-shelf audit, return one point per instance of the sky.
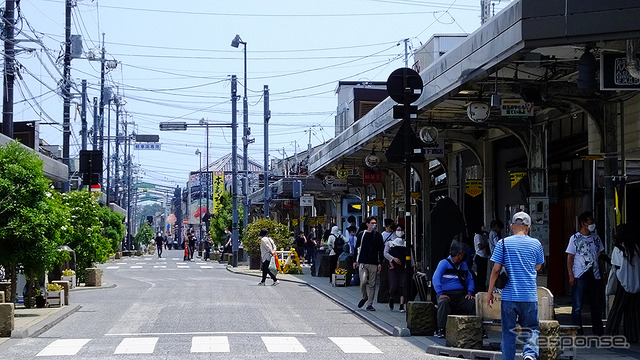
(174, 62)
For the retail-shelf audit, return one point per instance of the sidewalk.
(393, 322)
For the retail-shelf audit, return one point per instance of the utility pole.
(83, 115)
(9, 71)
(109, 152)
(234, 170)
(116, 181)
(95, 123)
(246, 141)
(101, 125)
(66, 93)
(267, 116)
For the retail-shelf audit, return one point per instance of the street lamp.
(200, 182)
(237, 40)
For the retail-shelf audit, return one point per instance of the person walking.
(192, 243)
(159, 240)
(481, 259)
(368, 256)
(311, 250)
(208, 243)
(395, 253)
(523, 256)
(583, 252)
(454, 286)
(267, 251)
(300, 242)
(336, 248)
(625, 260)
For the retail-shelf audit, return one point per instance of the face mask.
(399, 233)
(592, 227)
(372, 227)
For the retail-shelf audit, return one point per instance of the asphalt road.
(170, 309)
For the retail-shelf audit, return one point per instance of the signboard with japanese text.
(147, 146)
(474, 187)
(218, 189)
(434, 151)
(614, 74)
(372, 176)
(516, 108)
(516, 176)
(306, 201)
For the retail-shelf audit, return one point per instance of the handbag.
(503, 277)
(612, 282)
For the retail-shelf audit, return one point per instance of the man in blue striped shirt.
(522, 256)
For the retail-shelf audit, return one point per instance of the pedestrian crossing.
(161, 263)
(214, 344)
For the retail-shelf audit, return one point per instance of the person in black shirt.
(368, 256)
(159, 239)
(300, 243)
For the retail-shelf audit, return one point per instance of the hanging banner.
(516, 107)
(218, 188)
(322, 219)
(474, 187)
(294, 222)
(516, 177)
(378, 203)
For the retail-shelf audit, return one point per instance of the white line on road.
(175, 258)
(135, 267)
(121, 263)
(355, 345)
(159, 266)
(206, 267)
(112, 267)
(283, 344)
(183, 266)
(207, 344)
(217, 333)
(63, 347)
(136, 346)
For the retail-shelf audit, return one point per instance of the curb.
(379, 327)
(46, 324)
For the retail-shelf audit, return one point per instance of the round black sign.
(396, 85)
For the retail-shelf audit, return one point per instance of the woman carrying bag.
(625, 262)
(268, 251)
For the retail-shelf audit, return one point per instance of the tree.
(144, 235)
(112, 227)
(278, 232)
(223, 219)
(84, 234)
(31, 215)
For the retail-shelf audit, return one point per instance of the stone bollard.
(6, 319)
(549, 339)
(66, 286)
(1, 297)
(5, 287)
(118, 255)
(464, 331)
(93, 277)
(421, 318)
(214, 256)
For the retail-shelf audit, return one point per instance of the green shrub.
(278, 232)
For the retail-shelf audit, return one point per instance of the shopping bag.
(272, 265)
(612, 282)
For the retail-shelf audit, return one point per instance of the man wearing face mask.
(368, 256)
(583, 252)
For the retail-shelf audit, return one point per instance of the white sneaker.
(275, 283)
(261, 283)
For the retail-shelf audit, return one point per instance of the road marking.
(141, 263)
(282, 344)
(208, 344)
(159, 266)
(136, 346)
(217, 333)
(175, 258)
(112, 267)
(63, 347)
(148, 259)
(206, 267)
(135, 267)
(121, 263)
(355, 345)
(201, 263)
(183, 266)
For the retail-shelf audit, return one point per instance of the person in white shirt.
(625, 259)
(481, 259)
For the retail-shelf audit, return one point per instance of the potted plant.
(69, 276)
(55, 294)
(251, 241)
(40, 299)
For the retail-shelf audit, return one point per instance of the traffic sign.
(173, 126)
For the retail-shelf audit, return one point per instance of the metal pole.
(102, 95)
(407, 173)
(116, 160)
(267, 188)
(200, 181)
(9, 74)
(83, 115)
(245, 121)
(108, 152)
(66, 93)
(234, 167)
(206, 181)
(95, 123)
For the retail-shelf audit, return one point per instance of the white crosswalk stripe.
(63, 347)
(160, 266)
(136, 267)
(112, 267)
(355, 345)
(136, 346)
(209, 344)
(283, 344)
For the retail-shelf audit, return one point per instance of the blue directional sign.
(147, 146)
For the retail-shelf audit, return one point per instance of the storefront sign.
(339, 184)
(434, 151)
(516, 107)
(372, 177)
(614, 74)
(377, 202)
(474, 187)
(306, 201)
(516, 177)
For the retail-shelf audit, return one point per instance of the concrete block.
(6, 319)
(118, 255)
(465, 353)
(1, 297)
(549, 340)
(464, 331)
(55, 298)
(214, 256)
(66, 287)
(421, 318)
(399, 331)
(5, 287)
(93, 277)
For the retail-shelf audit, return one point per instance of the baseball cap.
(521, 218)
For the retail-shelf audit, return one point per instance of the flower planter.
(55, 298)
(70, 279)
(338, 280)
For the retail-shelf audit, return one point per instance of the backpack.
(338, 245)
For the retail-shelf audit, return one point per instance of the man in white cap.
(522, 256)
